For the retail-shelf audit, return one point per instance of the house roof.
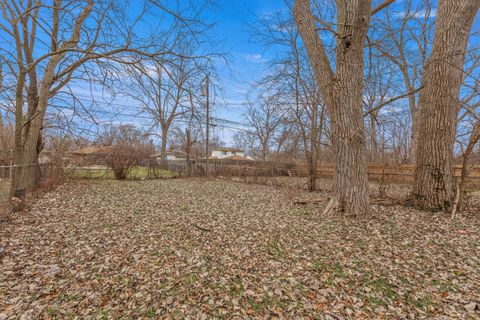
(93, 150)
(237, 158)
(177, 154)
(228, 149)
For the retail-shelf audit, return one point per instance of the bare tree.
(292, 84)
(162, 93)
(404, 39)
(83, 37)
(186, 138)
(264, 118)
(246, 140)
(341, 86)
(433, 188)
(128, 147)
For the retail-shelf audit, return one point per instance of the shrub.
(123, 157)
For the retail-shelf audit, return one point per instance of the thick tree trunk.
(348, 144)
(433, 188)
(18, 148)
(342, 91)
(29, 176)
(29, 172)
(264, 149)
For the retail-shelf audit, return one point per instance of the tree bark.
(433, 187)
(164, 148)
(414, 136)
(312, 173)
(474, 138)
(342, 91)
(18, 148)
(29, 173)
(27, 159)
(188, 151)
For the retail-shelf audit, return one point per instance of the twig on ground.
(201, 228)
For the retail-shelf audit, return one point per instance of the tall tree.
(405, 39)
(161, 91)
(341, 85)
(434, 186)
(264, 119)
(57, 42)
(292, 83)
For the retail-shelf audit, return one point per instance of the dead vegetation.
(217, 248)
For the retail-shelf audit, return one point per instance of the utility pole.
(207, 124)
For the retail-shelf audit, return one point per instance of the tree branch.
(382, 6)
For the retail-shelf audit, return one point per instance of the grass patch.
(259, 305)
(382, 286)
(442, 285)
(191, 279)
(135, 173)
(151, 314)
(275, 250)
(335, 269)
(424, 303)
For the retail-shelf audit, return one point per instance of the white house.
(221, 153)
(176, 155)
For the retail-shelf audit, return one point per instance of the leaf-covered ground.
(203, 249)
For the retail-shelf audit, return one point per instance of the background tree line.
(362, 81)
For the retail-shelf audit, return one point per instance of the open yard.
(204, 249)
(99, 172)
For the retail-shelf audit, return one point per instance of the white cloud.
(255, 58)
(421, 14)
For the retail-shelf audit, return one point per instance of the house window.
(234, 152)
(224, 153)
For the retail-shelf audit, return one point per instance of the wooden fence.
(393, 173)
(401, 173)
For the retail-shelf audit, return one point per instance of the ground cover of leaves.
(203, 249)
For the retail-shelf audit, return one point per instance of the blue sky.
(246, 63)
(247, 57)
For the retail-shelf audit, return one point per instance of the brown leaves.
(137, 249)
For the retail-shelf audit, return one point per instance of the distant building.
(222, 153)
(171, 156)
(94, 155)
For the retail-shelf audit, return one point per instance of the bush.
(123, 157)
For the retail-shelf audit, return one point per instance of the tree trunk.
(29, 175)
(433, 187)
(348, 144)
(163, 159)
(373, 138)
(415, 114)
(474, 138)
(312, 173)
(342, 91)
(18, 148)
(188, 151)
